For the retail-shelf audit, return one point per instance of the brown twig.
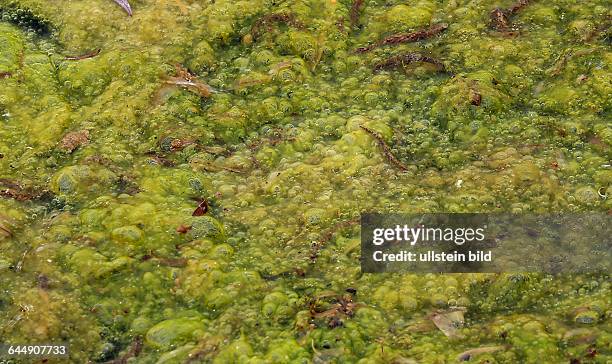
(385, 149)
(84, 56)
(406, 37)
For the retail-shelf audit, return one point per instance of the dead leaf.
(202, 208)
(449, 322)
(83, 56)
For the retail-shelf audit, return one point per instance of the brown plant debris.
(202, 208)
(403, 60)
(406, 37)
(5, 74)
(344, 307)
(187, 80)
(179, 144)
(73, 140)
(474, 95)
(83, 56)
(500, 18)
(385, 149)
(449, 322)
(264, 24)
(172, 262)
(160, 159)
(19, 192)
(355, 12)
(183, 229)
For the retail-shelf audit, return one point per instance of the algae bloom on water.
(181, 181)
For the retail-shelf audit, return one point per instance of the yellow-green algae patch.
(101, 245)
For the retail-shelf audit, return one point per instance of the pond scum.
(183, 185)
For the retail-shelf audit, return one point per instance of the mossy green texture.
(107, 252)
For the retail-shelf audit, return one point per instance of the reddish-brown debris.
(406, 37)
(183, 229)
(73, 140)
(202, 208)
(172, 262)
(83, 56)
(474, 95)
(344, 308)
(403, 60)
(385, 149)
(264, 23)
(500, 18)
(186, 79)
(355, 12)
(19, 192)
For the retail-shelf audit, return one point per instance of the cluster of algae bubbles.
(279, 152)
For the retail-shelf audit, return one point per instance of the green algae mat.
(184, 184)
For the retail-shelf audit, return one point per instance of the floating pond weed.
(184, 184)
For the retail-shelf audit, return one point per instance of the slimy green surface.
(289, 134)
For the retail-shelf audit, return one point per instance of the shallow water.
(265, 110)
